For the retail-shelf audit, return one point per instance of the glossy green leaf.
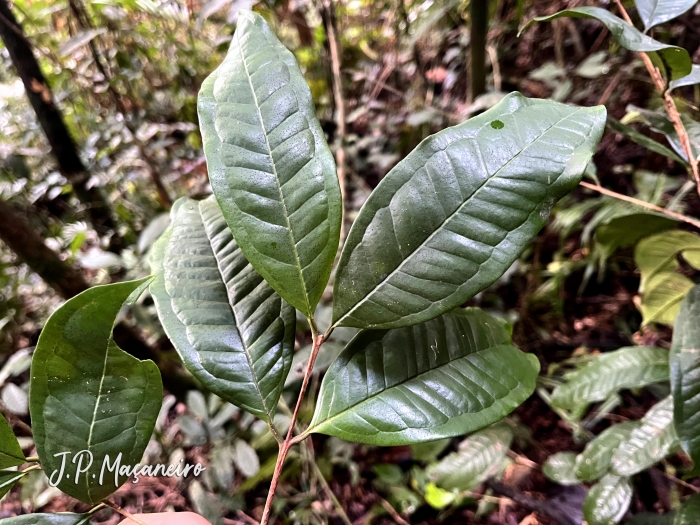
(454, 215)
(688, 80)
(561, 468)
(478, 458)
(675, 61)
(63, 518)
(8, 478)
(594, 462)
(11, 454)
(689, 513)
(648, 443)
(685, 376)
(87, 394)
(655, 12)
(629, 367)
(445, 377)
(626, 230)
(269, 165)
(607, 501)
(661, 300)
(641, 139)
(231, 329)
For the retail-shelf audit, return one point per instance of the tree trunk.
(51, 121)
(19, 235)
(479, 18)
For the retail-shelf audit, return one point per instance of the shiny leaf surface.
(661, 300)
(478, 458)
(269, 165)
(561, 468)
(629, 367)
(607, 501)
(655, 12)
(688, 80)
(87, 394)
(594, 462)
(231, 329)
(648, 443)
(454, 215)
(685, 376)
(445, 377)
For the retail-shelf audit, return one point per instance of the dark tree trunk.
(479, 17)
(51, 121)
(19, 235)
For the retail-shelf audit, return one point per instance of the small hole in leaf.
(497, 124)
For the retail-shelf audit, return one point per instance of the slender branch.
(123, 512)
(392, 511)
(338, 507)
(289, 440)
(334, 46)
(669, 105)
(643, 204)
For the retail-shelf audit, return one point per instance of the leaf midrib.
(451, 216)
(236, 321)
(408, 379)
(277, 180)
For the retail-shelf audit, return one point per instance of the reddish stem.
(288, 441)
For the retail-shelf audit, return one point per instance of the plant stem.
(123, 512)
(338, 507)
(289, 440)
(643, 204)
(479, 14)
(669, 104)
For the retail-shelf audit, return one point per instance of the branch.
(641, 203)
(289, 440)
(669, 104)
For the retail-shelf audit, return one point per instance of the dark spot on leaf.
(497, 124)
(274, 245)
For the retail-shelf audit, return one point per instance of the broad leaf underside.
(233, 332)
(445, 377)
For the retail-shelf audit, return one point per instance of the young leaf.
(49, 519)
(451, 217)
(11, 454)
(607, 501)
(655, 12)
(689, 513)
(269, 165)
(673, 60)
(685, 376)
(561, 468)
(648, 443)
(629, 367)
(87, 394)
(8, 478)
(661, 300)
(232, 331)
(594, 462)
(688, 80)
(445, 377)
(479, 457)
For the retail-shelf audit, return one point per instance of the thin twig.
(338, 507)
(669, 104)
(643, 204)
(123, 512)
(391, 510)
(289, 440)
(334, 45)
